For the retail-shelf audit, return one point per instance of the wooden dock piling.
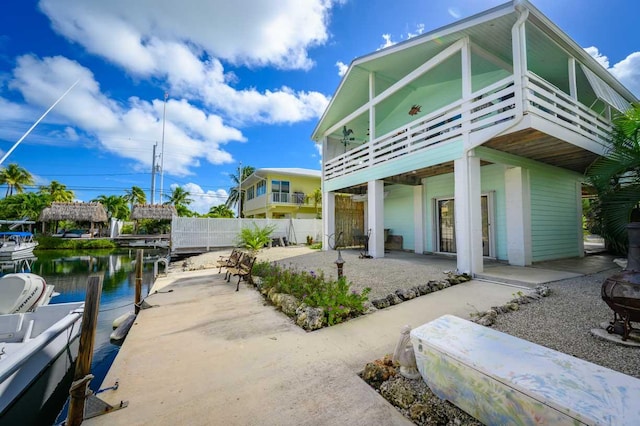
(138, 296)
(83, 375)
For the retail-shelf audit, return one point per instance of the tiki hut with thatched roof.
(77, 212)
(153, 211)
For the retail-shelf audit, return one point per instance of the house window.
(280, 191)
(261, 188)
(250, 193)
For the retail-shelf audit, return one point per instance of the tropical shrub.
(54, 243)
(255, 238)
(335, 297)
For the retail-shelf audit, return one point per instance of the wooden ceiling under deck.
(539, 146)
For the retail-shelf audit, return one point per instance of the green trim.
(500, 157)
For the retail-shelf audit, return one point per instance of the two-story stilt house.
(471, 139)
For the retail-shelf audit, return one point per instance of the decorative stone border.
(405, 294)
(488, 318)
(310, 318)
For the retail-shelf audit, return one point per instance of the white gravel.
(563, 320)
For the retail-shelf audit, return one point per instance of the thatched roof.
(77, 212)
(153, 211)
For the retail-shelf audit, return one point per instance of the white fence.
(206, 233)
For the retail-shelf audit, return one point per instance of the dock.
(205, 354)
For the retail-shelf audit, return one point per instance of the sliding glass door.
(446, 231)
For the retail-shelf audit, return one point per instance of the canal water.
(68, 271)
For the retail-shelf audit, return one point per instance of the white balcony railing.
(489, 107)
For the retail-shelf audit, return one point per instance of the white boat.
(37, 349)
(16, 245)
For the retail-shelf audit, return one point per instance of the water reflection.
(68, 272)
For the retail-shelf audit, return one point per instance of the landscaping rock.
(380, 303)
(309, 318)
(378, 371)
(406, 293)
(542, 290)
(397, 393)
(289, 304)
(424, 289)
(393, 299)
(369, 307)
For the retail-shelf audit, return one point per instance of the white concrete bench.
(500, 379)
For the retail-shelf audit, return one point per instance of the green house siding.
(398, 213)
(554, 214)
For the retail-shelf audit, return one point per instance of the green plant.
(335, 297)
(616, 179)
(256, 238)
(316, 246)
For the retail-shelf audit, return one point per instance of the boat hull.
(17, 252)
(24, 364)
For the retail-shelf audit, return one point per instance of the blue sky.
(247, 80)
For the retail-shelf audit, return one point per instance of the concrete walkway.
(206, 355)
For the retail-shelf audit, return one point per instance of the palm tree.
(27, 204)
(115, 205)
(222, 211)
(316, 197)
(235, 195)
(179, 197)
(16, 178)
(135, 195)
(58, 192)
(616, 179)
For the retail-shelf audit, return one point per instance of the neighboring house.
(471, 139)
(281, 193)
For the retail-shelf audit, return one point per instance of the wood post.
(82, 375)
(138, 297)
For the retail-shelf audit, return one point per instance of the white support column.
(328, 218)
(468, 214)
(579, 211)
(418, 219)
(376, 217)
(518, 206)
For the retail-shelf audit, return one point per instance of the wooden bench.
(501, 379)
(229, 261)
(242, 270)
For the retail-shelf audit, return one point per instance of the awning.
(604, 92)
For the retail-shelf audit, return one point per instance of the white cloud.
(203, 200)
(128, 129)
(388, 41)
(132, 33)
(186, 46)
(595, 53)
(627, 71)
(342, 68)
